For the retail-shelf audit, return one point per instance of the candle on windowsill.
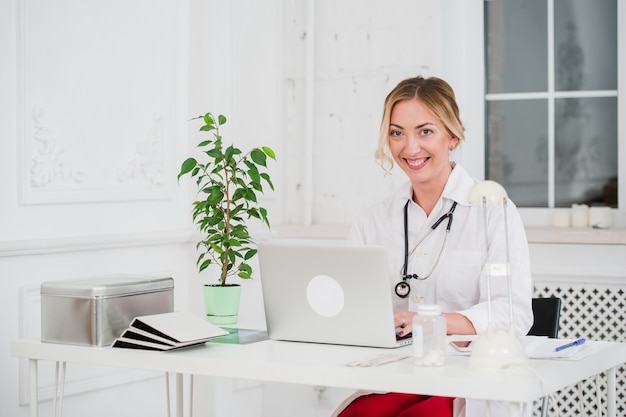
(600, 217)
(580, 215)
(561, 218)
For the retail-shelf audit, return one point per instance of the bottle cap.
(428, 310)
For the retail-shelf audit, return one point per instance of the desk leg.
(167, 393)
(190, 395)
(611, 396)
(179, 383)
(59, 388)
(34, 388)
(179, 395)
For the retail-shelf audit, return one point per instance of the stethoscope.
(403, 288)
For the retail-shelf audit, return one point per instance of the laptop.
(327, 292)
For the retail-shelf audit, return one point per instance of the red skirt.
(394, 404)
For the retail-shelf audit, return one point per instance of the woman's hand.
(455, 323)
(403, 321)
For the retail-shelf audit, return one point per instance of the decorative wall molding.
(147, 163)
(96, 127)
(96, 242)
(48, 163)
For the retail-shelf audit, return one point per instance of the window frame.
(463, 64)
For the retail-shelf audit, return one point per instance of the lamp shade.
(489, 192)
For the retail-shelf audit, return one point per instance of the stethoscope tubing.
(448, 215)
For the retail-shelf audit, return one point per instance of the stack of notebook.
(167, 331)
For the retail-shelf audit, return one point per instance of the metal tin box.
(94, 311)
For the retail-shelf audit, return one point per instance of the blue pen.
(571, 344)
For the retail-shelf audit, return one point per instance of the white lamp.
(496, 347)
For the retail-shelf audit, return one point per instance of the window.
(551, 100)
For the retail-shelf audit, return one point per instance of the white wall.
(93, 127)
(309, 80)
(334, 95)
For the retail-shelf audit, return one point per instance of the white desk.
(315, 364)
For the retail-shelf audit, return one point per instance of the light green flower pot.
(221, 304)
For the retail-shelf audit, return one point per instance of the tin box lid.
(107, 286)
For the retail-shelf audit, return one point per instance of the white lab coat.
(458, 283)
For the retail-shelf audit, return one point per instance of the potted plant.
(227, 181)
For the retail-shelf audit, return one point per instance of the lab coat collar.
(457, 187)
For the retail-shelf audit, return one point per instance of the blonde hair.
(436, 94)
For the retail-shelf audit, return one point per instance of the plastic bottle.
(429, 336)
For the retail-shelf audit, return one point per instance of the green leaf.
(240, 232)
(239, 194)
(235, 210)
(199, 206)
(254, 176)
(218, 171)
(254, 213)
(204, 265)
(267, 180)
(258, 156)
(215, 154)
(250, 195)
(188, 165)
(249, 164)
(264, 215)
(215, 197)
(249, 254)
(229, 153)
(208, 119)
(217, 248)
(269, 152)
(245, 271)
(221, 119)
(239, 181)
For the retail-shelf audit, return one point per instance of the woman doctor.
(443, 264)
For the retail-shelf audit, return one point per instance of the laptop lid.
(323, 292)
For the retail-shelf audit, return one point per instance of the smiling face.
(419, 144)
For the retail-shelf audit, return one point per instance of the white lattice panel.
(595, 312)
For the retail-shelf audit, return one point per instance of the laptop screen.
(327, 292)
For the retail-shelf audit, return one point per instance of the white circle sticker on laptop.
(325, 296)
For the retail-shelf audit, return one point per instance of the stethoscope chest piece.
(403, 289)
